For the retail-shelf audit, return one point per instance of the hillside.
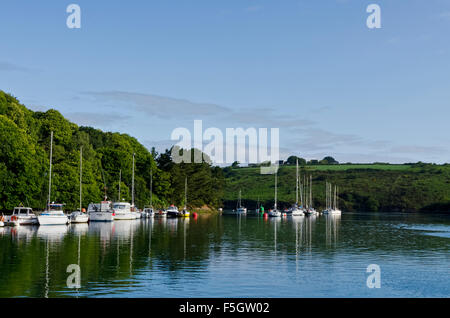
(365, 187)
(24, 162)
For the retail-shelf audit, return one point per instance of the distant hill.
(362, 187)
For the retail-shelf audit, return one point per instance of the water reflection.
(54, 233)
(332, 229)
(222, 254)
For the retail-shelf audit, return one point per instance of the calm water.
(224, 256)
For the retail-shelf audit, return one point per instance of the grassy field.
(341, 167)
(363, 187)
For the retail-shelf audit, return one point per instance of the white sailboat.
(185, 212)
(332, 204)
(275, 212)
(310, 209)
(148, 212)
(296, 210)
(239, 208)
(123, 210)
(54, 214)
(134, 210)
(79, 216)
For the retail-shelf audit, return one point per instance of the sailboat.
(79, 216)
(123, 210)
(332, 204)
(239, 208)
(54, 214)
(148, 212)
(296, 210)
(275, 212)
(310, 209)
(185, 212)
(134, 211)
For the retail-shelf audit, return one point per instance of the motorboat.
(23, 215)
(122, 211)
(79, 217)
(53, 215)
(101, 212)
(172, 211)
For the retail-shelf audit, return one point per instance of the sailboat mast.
(185, 193)
(120, 181)
(334, 199)
(50, 172)
(337, 198)
(310, 190)
(275, 206)
(132, 184)
(296, 184)
(151, 188)
(81, 171)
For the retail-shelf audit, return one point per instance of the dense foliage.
(24, 165)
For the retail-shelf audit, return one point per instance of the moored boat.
(172, 211)
(275, 212)
(101, 212)
(122, 211)
(79, 216)
(23, 215)
(54, 214)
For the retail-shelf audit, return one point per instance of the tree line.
(24, 165)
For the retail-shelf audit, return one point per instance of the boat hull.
(53, 219)
(297, 213)
(274, 214)
(125, 216)
(27, 220)
(101, 217)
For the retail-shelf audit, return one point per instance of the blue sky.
(311, 68)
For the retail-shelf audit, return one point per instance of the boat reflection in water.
(79, 228)
(52, 233)
(332, 223)
(22, 233)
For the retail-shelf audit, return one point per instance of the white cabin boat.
(24, 216)
(148, 213)
(172, 211)
(122, 211)
(54, 215)
(78, 217)
(101, 212)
